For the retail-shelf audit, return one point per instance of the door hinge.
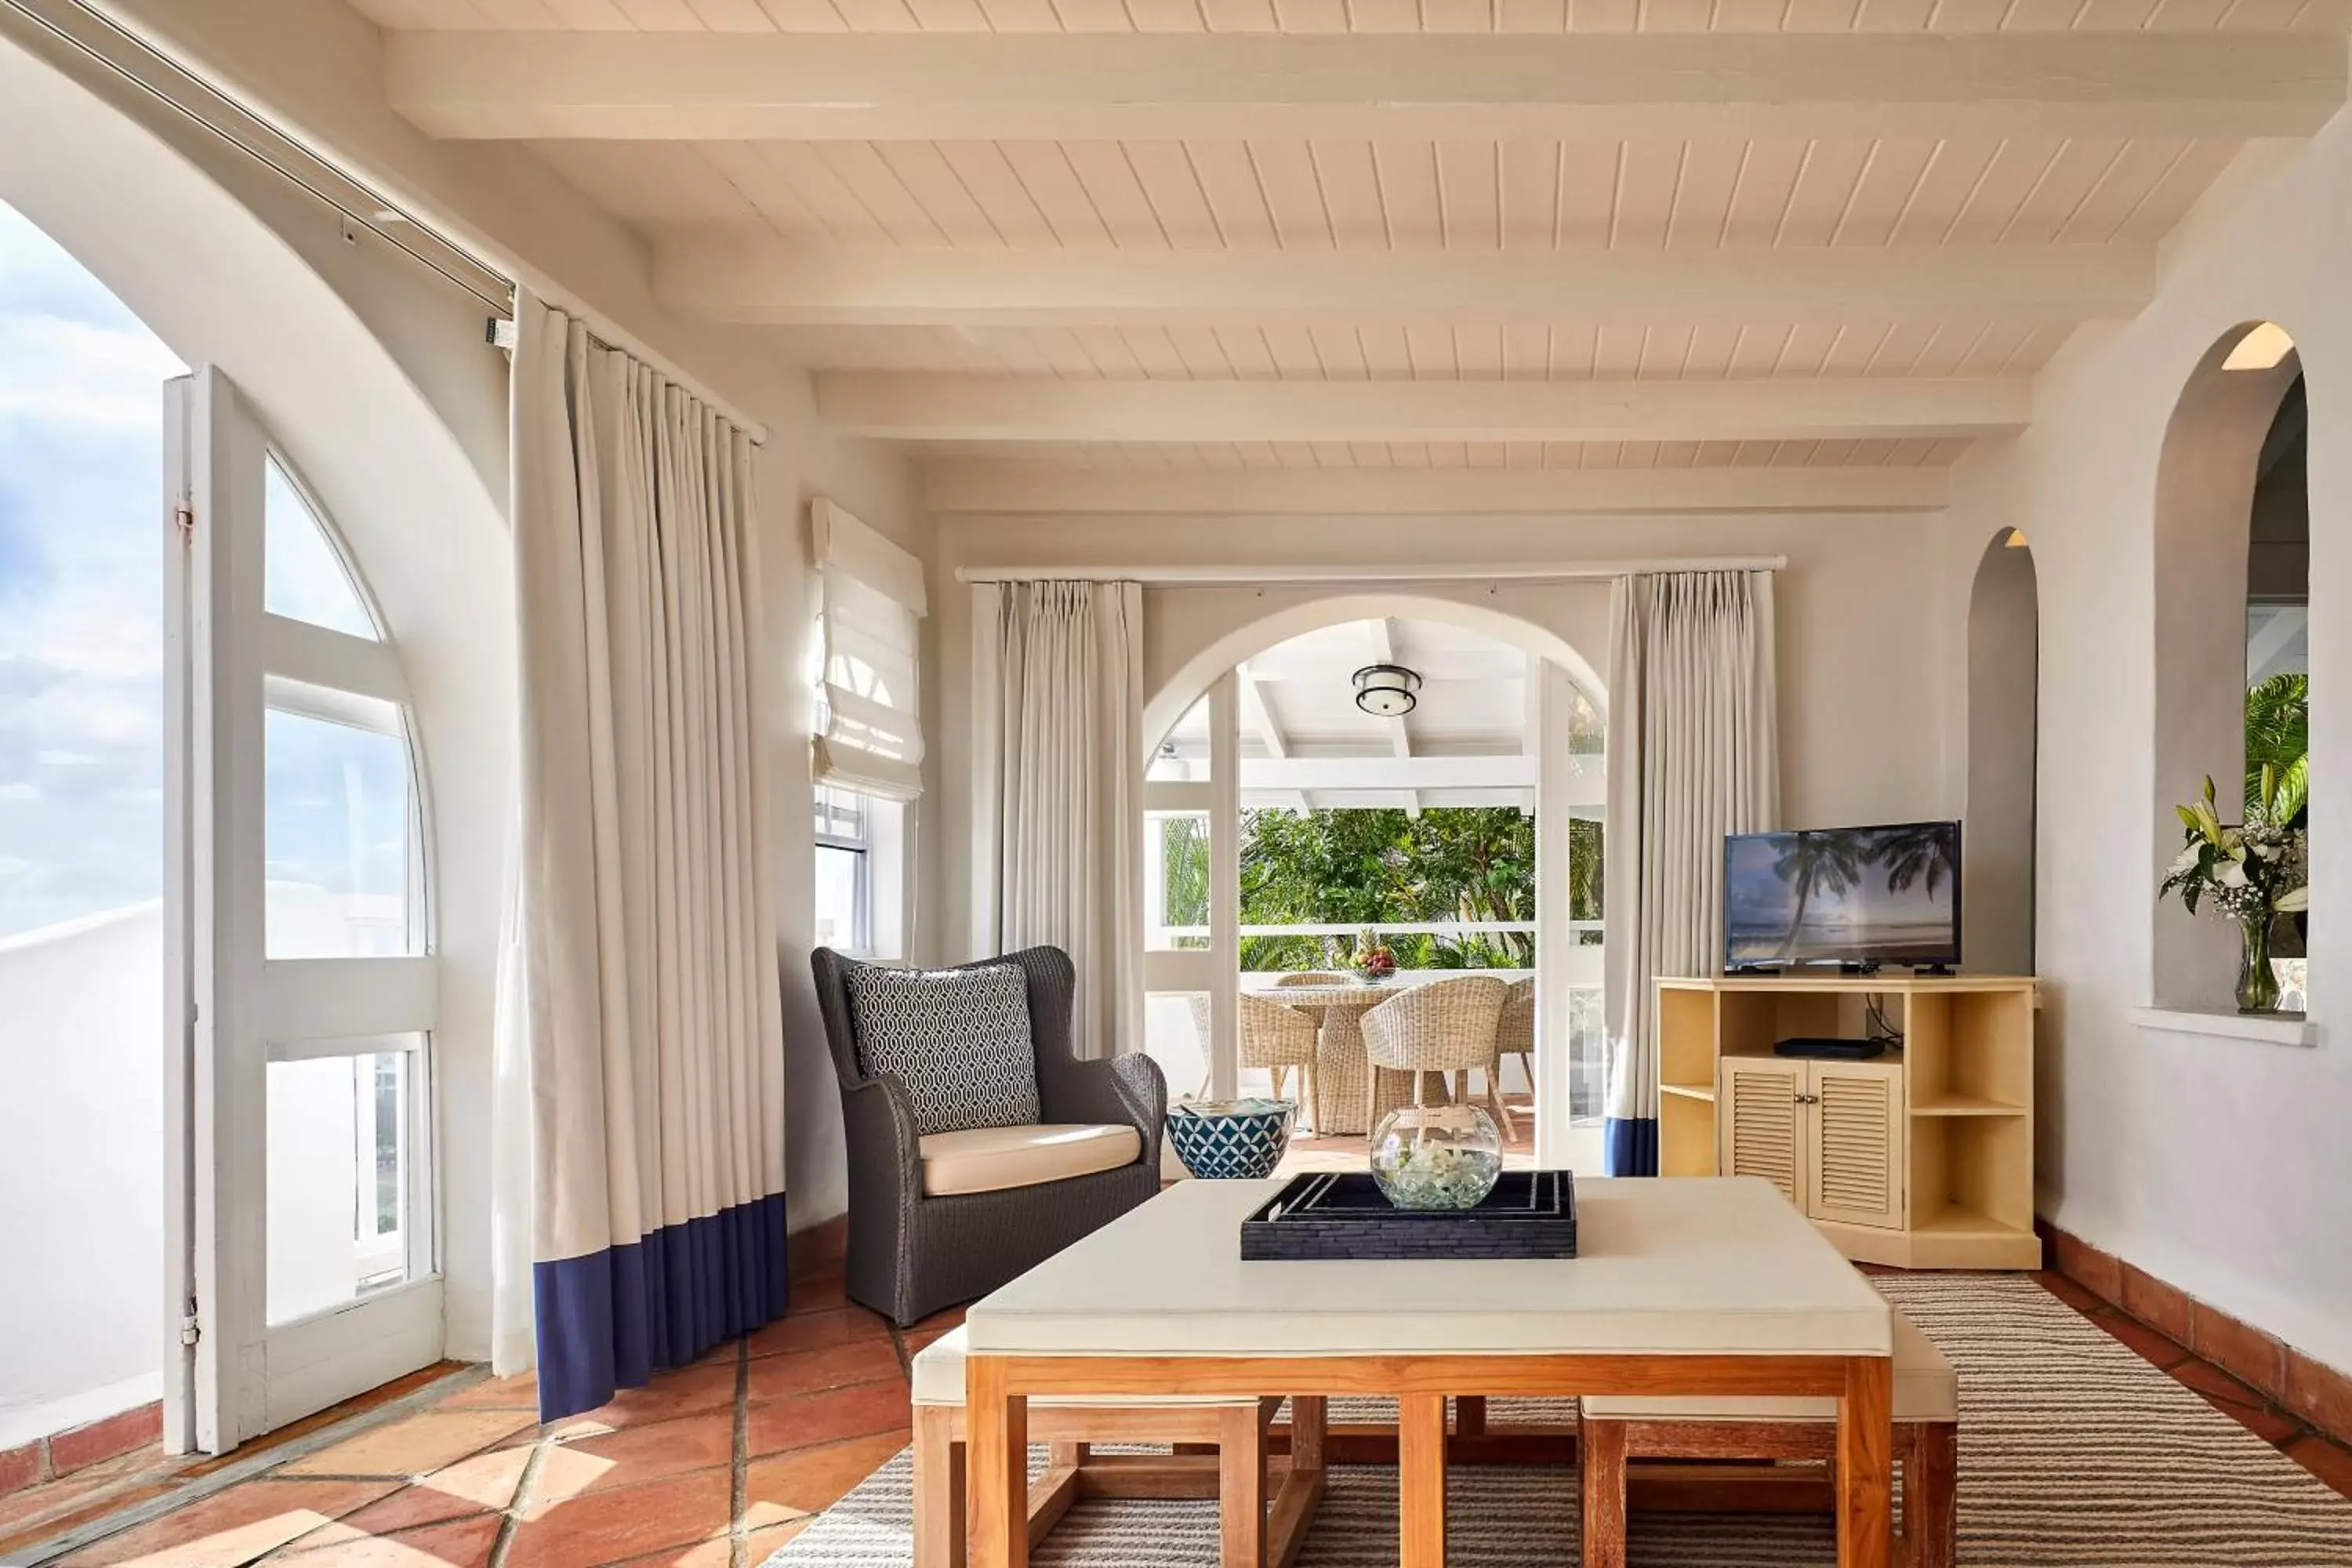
(183, 514)
(191, 1327)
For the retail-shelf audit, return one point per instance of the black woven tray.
(1530, 1213)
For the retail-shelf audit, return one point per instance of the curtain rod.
(1434, 573)
(132, 59)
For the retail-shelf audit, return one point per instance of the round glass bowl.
(1230, 1139)
(1437, 1156)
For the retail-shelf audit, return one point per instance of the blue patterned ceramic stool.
(1230, 1139)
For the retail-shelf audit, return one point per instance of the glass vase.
(2258, 986)
(1437, 1156)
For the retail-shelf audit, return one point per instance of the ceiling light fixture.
(1387, 691)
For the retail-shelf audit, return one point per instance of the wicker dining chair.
(1273, 1036)
(1515, 1036)
(1445, 1026)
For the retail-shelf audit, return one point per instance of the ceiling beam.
(983, 486)
(1250, 689)
(950, 408)
(1106, 86)
(1398, 774)
(755, 279)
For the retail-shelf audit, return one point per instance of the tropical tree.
(1816, 862)
(2278, 736)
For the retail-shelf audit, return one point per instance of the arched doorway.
(2004, 631)
(1262, 761)
(331, 453)
(2231, 581)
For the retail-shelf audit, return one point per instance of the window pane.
(840, 876)
(1175, 880)
(302, 577)
(337, 823)
(339, 1179)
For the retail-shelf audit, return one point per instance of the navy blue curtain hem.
(1629, 1148)
(610, 1320)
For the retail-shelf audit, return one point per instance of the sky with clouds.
(81, 589)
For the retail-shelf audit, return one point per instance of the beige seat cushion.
(937, 1379)
(991, 1159)
(1925, 1390)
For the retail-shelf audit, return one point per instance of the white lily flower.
(2187, 861)
(2233, 874)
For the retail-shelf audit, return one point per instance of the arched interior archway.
(2004, 632)
(1553, 767)
(2208, 475)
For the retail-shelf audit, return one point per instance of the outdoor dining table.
(1340, 1061)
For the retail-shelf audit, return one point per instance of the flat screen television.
(1851, 897)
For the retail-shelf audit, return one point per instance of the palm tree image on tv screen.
(1847, 895)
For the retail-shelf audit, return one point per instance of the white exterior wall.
(2220, 1165)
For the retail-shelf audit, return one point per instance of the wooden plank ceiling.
(1926, 197)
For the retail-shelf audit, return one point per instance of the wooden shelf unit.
(1919, 1159)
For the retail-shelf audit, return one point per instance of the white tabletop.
(1664, 1266)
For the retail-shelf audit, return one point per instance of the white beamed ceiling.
(1827, 226)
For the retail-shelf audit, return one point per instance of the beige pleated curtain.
(644, 950)
(1069, 788)
(1694, 754)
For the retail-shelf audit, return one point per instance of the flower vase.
(2258, 985)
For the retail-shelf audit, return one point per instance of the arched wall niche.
(2206, 476)
(2003, 671)
(221, 286)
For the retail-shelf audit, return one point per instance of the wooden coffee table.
(1695, 1286)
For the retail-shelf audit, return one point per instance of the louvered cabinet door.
(1855, 1164)
(1759, 1122)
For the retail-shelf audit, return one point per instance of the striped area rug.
(2073, 1451)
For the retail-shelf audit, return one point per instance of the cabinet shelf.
(1919, 1158)
(1965, 1105)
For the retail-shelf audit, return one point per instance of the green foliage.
(1363, 868)
(1184, 851)
(2278, 737)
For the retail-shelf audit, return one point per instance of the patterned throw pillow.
(958, 1039)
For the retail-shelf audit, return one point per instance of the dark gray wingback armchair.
(911, 1254)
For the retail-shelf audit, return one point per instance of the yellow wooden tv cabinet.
(1921, 1159)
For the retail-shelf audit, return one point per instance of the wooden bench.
(1220, 1445)
(1613, 1429)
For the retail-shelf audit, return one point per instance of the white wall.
(81, 1172)
(2221, 1165)
(1866, 666)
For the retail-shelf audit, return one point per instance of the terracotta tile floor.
(712, 1466)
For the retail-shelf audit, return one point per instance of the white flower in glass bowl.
(1437, 1156)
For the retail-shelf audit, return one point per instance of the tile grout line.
(511, 1517)
(738, 1548)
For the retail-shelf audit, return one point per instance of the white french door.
(300, 982)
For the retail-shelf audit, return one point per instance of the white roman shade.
(869, 730)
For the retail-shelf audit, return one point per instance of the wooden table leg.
(1865, 1463)
(1421, 1480)
(1240, 1488)
(996, 1443)
(1931, 1467)
(1469, 1415)
(1601, 1462)
(1302, 1481)
(938, 1489)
